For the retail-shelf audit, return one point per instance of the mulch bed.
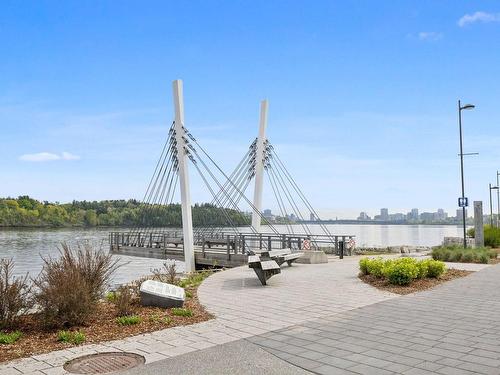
(417, 285)
(36, 339)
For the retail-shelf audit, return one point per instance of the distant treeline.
(28, 212)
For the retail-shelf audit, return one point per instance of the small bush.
(402, 272)
(69, 287)
(166, 274)
(423, 269)
(124, 301)
(459, 254)
(111, 296)
(128, 320)
(188, 294)
(491, 236)
(375, 267)
(435, 268)
(75, 338)
(14, 294)
(363, 265)
(181, 312)
(9, 338)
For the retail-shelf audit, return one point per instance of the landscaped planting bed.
(470, 255)
(63, 321)
(405, 275)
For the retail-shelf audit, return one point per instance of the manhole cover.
(103, 363)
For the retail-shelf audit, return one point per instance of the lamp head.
(468, 106)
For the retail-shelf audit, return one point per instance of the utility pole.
(187, 220)
(259, 167)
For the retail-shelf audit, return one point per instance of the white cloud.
(429, 35)
(48, 156)
(68, 156)
(478, 17)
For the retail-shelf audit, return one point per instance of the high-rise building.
(459, 214)
(363, 216)
(414, 214)
(267, 213)
(384, 214)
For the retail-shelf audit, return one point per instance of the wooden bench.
(264, 269)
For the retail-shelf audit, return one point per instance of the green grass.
(9, 338)
(189, 294)
(128, 320)
(181, 312)
(459, 254)
(70, 337)
(194, 279)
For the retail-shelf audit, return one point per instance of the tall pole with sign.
(463, 202)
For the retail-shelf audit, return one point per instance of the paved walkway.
(453, 329)
(323, 319)
(242, 307)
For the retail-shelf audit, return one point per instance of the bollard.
(341, 249)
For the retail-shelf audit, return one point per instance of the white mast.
(187, 221)
(259, 167)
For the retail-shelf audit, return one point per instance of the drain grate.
(103, 363)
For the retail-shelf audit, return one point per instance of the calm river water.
(27, 246)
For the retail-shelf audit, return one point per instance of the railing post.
(336, 245)
(299, 243)
(203, 246)
(269, 243)
(228, 247)
(164, 241)
(138, 239)
(260, 241)
(283, 241)
(242, 244)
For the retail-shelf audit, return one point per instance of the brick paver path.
(453, 329)
(243, 308)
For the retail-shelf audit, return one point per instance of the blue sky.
(363, 95)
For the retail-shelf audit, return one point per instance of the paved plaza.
(319, 319)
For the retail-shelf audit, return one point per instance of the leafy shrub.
(14, 294)
(423, 269)
(124, 301)
(435, 268)
(177, 311)
(491, 236)
(9, 338)
(459, 254)
(375, 267)
(69, 287)
(111, 296)
(70, 337)
(363, 265)
(402, 271)
(128, 320)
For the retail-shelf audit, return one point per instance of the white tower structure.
(187, 220)
(259, 167)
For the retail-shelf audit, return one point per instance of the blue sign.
(463, 202)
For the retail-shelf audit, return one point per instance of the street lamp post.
(498, 199)
(460, 108)
(491, 204)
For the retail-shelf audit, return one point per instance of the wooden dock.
(216, 250)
